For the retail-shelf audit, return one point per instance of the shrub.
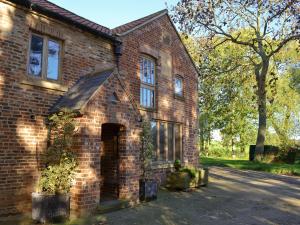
(60, 161)
(190, 170)
(177, 164)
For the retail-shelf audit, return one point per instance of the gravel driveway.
(232, 197)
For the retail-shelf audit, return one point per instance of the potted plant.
(148, 185)
(52, 200)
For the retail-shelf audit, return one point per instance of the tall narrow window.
(178, 84)
(36, 56)
(162, 141)
(178, 141)
(147, 76)
(53, 60)
(154, 140)
(170, 142)
(44, 57)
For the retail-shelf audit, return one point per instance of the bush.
(177, 164)
(190, 170)
(60, 161)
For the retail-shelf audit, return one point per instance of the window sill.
(147, 109)
(44, 84)
(179, 97)
(162, 165)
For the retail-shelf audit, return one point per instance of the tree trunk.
(232, 148)
(262, 109)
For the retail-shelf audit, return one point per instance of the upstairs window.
(178, 86)
(147, 76)
(44, 57)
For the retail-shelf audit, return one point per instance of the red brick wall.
(159, 38)
(23, 108)
(100, 110)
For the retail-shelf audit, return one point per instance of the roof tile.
(71, 16)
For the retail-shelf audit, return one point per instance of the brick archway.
(113, 138)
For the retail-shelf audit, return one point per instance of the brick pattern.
(100, 110)
(163, 44)
(24, 108)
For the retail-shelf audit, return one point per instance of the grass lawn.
(277, 168)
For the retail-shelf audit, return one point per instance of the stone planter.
(203, 176)
(195, 181)
(178, 181)
(148, 190)
(50, 208)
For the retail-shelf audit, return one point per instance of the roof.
(78, 95)
(52, 10)
(139, 22)
(131, 26)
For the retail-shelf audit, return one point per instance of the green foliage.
(59, 158)
(177, 164)
(146, 150)
(241, 41)
(192, 171)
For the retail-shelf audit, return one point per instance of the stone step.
(112, 205)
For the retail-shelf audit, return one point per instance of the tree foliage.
(270, 26)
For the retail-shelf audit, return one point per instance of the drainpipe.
(118, 50)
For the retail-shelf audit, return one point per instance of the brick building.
(51, 58)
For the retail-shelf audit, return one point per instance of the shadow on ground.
(232, 197)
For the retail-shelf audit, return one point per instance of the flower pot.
(148, 190)
(50, 208)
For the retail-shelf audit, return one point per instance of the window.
(147, 76)
(177, 133)
(178, 86)
(44, 57)
(154, 140)
(162, 141)
(167, 140)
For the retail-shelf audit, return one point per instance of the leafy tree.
(225, 94)
(271, 26)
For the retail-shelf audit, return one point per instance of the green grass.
(276, 168)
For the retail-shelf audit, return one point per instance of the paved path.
(232, 197)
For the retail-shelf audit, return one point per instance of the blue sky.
(112, 13)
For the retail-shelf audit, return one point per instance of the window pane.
(147, 97)
(147, 70)
(177, 141)
(178, 86)
(36, 56)
(53, 60)
(170, 142)
(154, 139)
(162, 141)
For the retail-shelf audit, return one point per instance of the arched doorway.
(111, 137)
